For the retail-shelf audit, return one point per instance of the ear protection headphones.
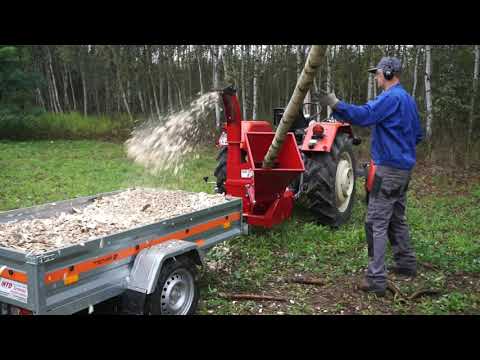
(388, 72)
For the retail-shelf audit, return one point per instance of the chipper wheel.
(221, 170)
(177, 291)
(329, 183)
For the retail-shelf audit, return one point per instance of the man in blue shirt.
(394, 119)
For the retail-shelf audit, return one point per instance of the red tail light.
(24, 312)
(318, 129)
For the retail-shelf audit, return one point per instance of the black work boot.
(368, 287)
(403, 271)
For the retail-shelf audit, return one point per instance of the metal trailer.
(149, 269)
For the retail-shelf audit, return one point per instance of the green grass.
(43, 171)
(444, 231)
(46, 125)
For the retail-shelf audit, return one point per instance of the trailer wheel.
(221, 170)
(329, 183)
(177, 291)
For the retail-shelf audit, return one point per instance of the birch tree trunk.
(169, 93)
(120, 84)
(329, 77)
(472, 102)
(428, 91)
(214, 51)
(244, 89)
(308, 97)
(51, 95)
(371, 83)
(66, 101)
(142, 104)
(155, 99)
(84, 85)
(54, 82)
(287, 73)
(200, 74)
(73, 91)
(40, 98)
(415, 70)
(304, 84)
(255, 84)
(107, 96)
(299, 60)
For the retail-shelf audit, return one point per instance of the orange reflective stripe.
(14, 275)
(62, 274)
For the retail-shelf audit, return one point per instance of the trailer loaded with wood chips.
(136, 250)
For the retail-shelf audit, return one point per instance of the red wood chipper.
(315, 166)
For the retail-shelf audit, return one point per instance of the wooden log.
(306, 280)
(254, 297)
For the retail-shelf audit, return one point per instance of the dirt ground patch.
(431, 179)
(341, 296)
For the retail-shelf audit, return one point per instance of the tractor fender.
(325, 143)
(148, 263)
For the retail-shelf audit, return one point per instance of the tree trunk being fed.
(304, 84)
(329, 77)
(428, 91)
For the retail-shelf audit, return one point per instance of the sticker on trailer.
(13, 290)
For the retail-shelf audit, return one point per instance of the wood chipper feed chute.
(270, 184)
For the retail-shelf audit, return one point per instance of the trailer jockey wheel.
(177, 291)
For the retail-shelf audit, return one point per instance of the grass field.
(443, 212)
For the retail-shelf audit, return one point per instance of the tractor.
(315, 167)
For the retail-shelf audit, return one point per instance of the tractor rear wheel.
(329, 183)
(221, 170)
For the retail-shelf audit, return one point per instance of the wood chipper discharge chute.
(267, 200)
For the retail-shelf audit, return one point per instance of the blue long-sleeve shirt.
(395, 123)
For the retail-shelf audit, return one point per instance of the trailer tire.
(321, 191)
(221, 170)
(177, 291)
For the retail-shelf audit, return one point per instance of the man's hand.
(328, 99)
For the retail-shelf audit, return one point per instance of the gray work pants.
(386, 220)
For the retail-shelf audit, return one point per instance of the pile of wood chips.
(105, 216)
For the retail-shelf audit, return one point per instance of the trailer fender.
(148, 263)
(146, 270)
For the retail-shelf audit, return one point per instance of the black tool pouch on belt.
(377, 185)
